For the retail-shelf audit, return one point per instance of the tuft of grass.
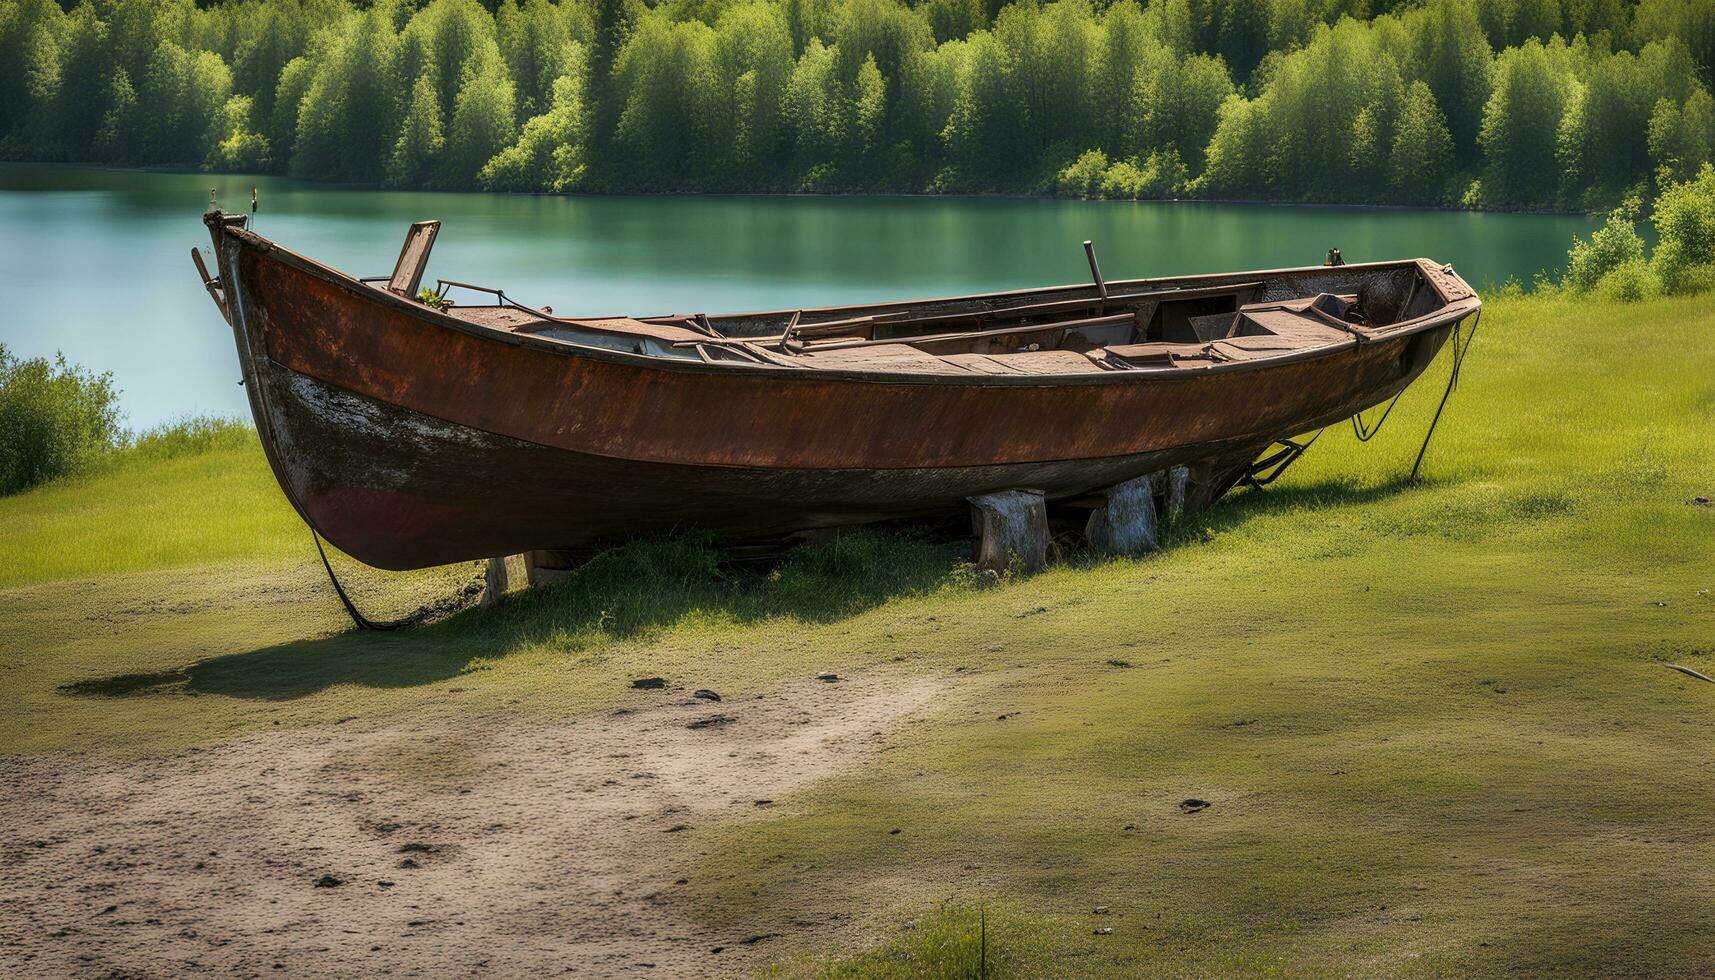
(950, 941)
(192, 436)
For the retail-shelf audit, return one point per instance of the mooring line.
(1452, 382)
(1367, 432)
(363, 622)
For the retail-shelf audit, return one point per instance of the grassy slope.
(146, 513)
(1431, 721)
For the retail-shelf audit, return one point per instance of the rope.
(1452, 383)
(1279, 460)
(363, 622)
(1367, 432)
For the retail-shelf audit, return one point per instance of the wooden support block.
(1011, 525)
(545, 568)
(1177, 480)
(494, 582)
(1125, 524)
(1210, 478)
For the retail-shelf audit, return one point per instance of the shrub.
(1610, 247)
(1124, 182)
(1629, 282)
(1084, 177)
(54, 418)
(190, 436)
(1160, 175)
(1685, 224)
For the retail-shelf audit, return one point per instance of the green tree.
(182, 95)
(667, 73)
(119, 138)
(417, 151)
(1036, 92)
(1612, 246)
(1083, 176)
(951, 20)
(809, 20)
(1125, 40)
(869, 107)
(1520, 125)
(549, 154)
(611, 27)
(30, 76)
(348, 118)
(752, 66)
(819, 114)
(449, 41)
(1692, 22)
(270, 35)
(1321, 126)
(1176, 104)
(1604, 146)
(1422, 149)
(534, 40)
(887, 32)
(281, 126)
(84, 79)
(1450, 52)
(238, 145)
(1682, 137)
(482, 124)
(54, 418)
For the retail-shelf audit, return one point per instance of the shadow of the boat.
(644, 587)
(622, 594)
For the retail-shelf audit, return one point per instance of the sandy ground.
(442, 846)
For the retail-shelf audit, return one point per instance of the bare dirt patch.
(444, 845)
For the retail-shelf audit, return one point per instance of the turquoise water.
(97, 265)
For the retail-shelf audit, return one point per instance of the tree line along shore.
(1568, 104)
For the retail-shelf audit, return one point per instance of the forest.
(1507, 104)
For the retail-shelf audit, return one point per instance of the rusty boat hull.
(410, 435)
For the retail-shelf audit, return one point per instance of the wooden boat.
(413, 433)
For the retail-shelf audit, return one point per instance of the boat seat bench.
(1253, 331)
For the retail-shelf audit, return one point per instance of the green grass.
(1432, 720)
(182, 496)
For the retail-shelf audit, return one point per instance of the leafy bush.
(54, 418)
(1614, 245)
(1084, 177)
(1124, 181)
(1629, 282)
(1685, 222)
(239, 148)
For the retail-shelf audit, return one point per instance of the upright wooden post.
(1095, 269)
(1178, 479)
(1011, 526)
(545, 568)
(1125, 524)
(494, 582)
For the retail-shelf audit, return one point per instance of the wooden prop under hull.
(409, 437)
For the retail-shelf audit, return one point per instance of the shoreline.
(336, 185)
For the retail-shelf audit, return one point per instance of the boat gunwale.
(1450, 311)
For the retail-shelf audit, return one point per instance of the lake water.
(95, 262)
